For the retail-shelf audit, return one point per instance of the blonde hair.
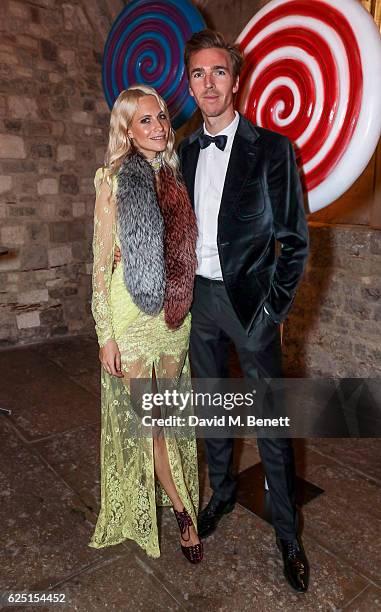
(119, 144)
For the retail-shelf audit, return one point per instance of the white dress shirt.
(209, 183)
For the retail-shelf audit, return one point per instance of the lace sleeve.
(103, 251)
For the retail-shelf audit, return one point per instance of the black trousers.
(214, 326)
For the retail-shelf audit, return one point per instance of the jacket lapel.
(242, 158)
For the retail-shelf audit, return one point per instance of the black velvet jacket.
(262, 202)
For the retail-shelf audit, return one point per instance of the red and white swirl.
(311, 73)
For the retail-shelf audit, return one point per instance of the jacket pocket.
(251, 200)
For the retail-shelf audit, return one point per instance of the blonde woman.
(141, 311)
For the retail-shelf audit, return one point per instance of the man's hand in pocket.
(117, 257)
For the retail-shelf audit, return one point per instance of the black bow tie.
(220, 141)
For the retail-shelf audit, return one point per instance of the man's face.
(211, 81)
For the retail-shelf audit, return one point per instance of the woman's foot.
(191, 537)
(191, 546)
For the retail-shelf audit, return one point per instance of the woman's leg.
(161, 461)
(164, 475)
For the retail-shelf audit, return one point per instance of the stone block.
(69, 184)
(102, 120)
(79, 209)
(89, 105)
(80, 251)
(65, 153)
(27, 41)
(87, 186)
(371, 294)
(21, 211)
(85, 153)
(47, 210)
(44, 276)
(75, 19)
(76, 230)
(8, 296)
(26, 73)
(25, 184)
(75, 309)
(13, 277)
(8, 58)
(48, 50)
(12, 147)
(19, 10)
(58, 104)
(59, 256)
(375, 242)
(47, 186)
(64, 211)
(45, 3)
(5, 183)
(7, 325)
(82, 117)
(42, 150)
(5, 75)
(100, 155)
(38, 232)
(358, 309)
(60, 292)
(67, 57)
(55, 77)
(377, 314)
(37, 129)
(59, 330)
(28, 319)
(35, 296)
(34, 257)
(59, 231)
(58, 129)
(52, 316)
(94, 132)
(21, 107)
(22, 166)
(3, 106)
(13, 235)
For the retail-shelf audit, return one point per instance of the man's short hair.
(210, 39)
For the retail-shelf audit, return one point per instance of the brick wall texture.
(53, 130)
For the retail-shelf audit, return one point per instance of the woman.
(141, 311)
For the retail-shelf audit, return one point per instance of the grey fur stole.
(141, 231)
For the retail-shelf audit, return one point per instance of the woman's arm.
(103, 251)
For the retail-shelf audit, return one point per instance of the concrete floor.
(49, 489)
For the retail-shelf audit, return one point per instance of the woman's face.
(149, 127)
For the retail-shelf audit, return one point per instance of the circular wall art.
(146, 45)
(312, 74)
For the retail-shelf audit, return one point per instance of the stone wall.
(334, 327)
(53, 130)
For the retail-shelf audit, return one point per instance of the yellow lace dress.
(129, 492)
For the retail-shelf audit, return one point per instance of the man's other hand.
(117, 257)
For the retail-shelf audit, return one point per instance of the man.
(246, 192)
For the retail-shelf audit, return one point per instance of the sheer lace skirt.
(129, 491)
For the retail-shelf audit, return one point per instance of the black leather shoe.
(296, 568)
(210, 516)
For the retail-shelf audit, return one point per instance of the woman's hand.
(109, 357)
(117, 257)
